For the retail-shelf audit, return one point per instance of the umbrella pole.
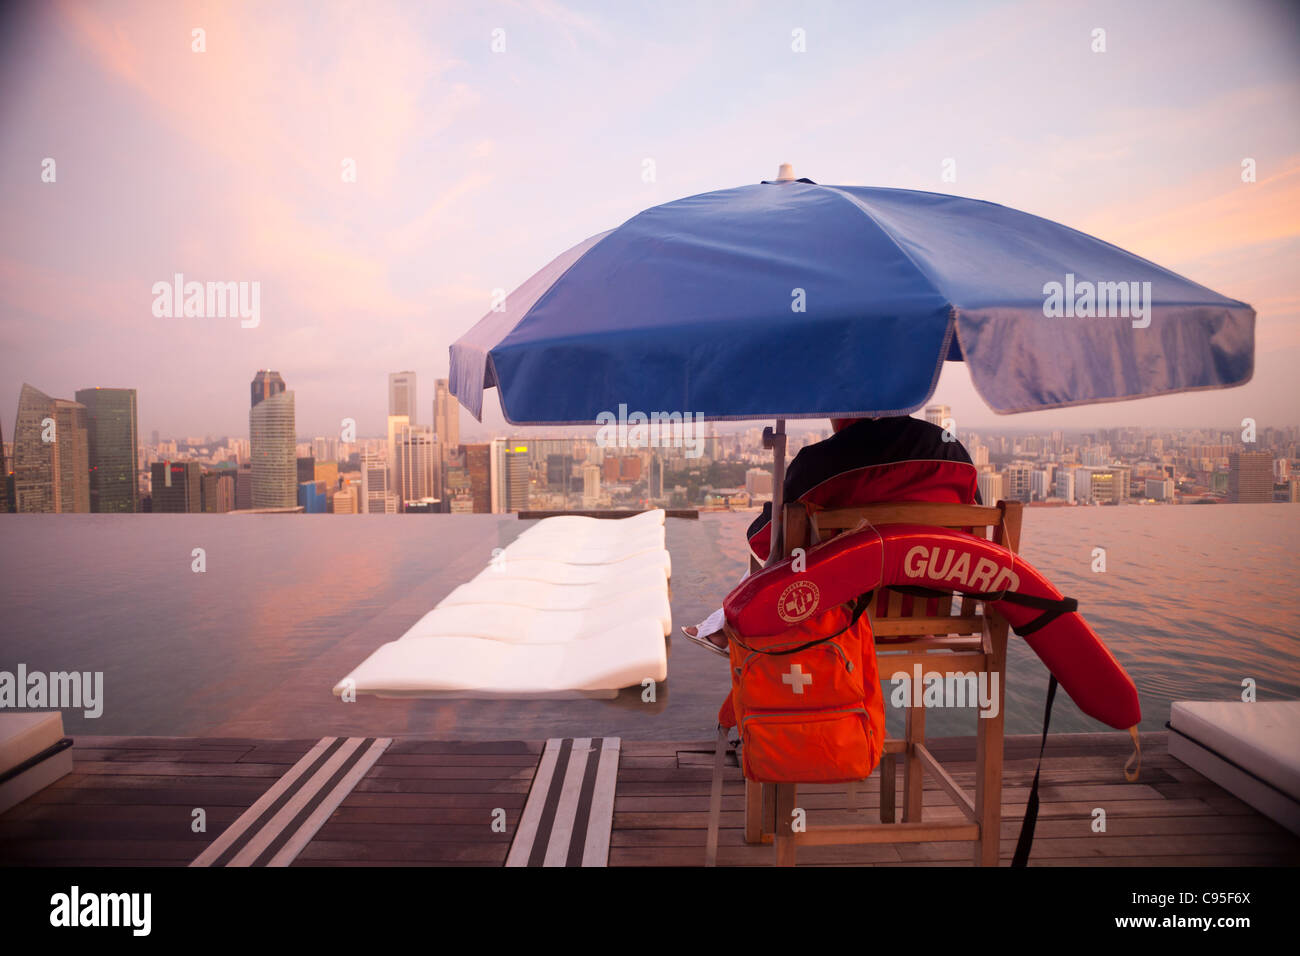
(775, 439)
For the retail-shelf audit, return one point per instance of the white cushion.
(25, 734)
(559, 572)
(1263, 737)
(594, 666)
(610, 526)
(528, 612)
(581, 551)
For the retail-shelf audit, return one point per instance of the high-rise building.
(113, 442)
(217, 491)
(510, 475)
(1109, 485)
(244, 486)
(478, 462)
(1160, 489)
(446, 417)
(35, 457)
(938, 414)
(176, 487)
(590, 485)
(306, 469)
(559, 471)
(1019, 475)
(417, 465)
(656, 480)
(1250, 477)
(1040, 484)
(401, 395)
(758, 483)
(51, 454)
(1083, 485)
(376, 498)
(311, 497)
(990, 484)
(325, 449)
(328, 472)
(266, 384)
(344, 501)
(5, 480)
(74, 456)
(273, 447)
(1065, 484)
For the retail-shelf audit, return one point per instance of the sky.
(474, 168)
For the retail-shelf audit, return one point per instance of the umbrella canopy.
(791, 299)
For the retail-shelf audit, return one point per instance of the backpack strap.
(1052, 608)
(1026, 841)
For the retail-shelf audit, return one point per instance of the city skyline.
(358, 277)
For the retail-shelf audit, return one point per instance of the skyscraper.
(1018, 481)
(273, 444)
(1250, 477)
(4, 474)
(517, 477)
(217, 491)
(266, 384)
(113, 443)
(590, 485)
(376, 498)
(51, 457)
(938, 414)
(395, 425)
(244, 486)
(446, 418)
(177, 487)
(417, 463)
(401, 395)
(990, 487)
(478, 462)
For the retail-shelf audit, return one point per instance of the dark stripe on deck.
(255, 825)
(569, 812)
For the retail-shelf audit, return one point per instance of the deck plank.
(129, 801)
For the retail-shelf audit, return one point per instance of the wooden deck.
(131, 801)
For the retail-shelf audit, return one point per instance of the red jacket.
(871, 461)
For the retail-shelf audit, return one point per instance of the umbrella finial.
(785, 174)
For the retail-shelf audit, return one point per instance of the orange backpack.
(808, 700)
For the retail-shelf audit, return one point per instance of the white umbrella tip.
(785, 174)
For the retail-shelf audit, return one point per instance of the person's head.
(838, 424)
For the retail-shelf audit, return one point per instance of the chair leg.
(988, 773)
(888, 788)
(913, 771)
(753, 812)
(786, 797)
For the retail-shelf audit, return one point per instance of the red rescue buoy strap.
(858, 607)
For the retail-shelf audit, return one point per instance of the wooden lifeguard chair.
(910, 630)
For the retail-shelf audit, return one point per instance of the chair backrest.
(896, 616)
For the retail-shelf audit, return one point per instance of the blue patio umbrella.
(790, 299)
